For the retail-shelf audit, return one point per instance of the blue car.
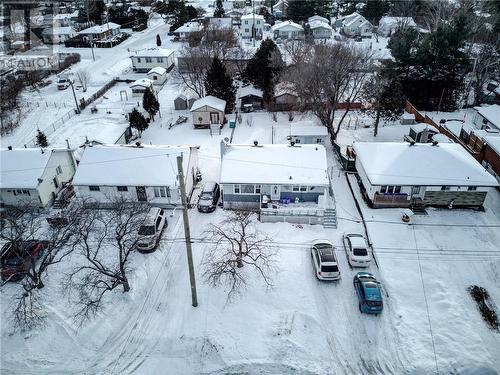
(369, 293)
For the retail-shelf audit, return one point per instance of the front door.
(141, 193)
(275, 192)
(214, 118)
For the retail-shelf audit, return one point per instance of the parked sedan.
(324, 260)
(209, 197)
(17, 257)
(356, 250)
(369, 293)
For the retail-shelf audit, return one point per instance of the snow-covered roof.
(157, 70)
(317, 18)
(130, 165)
(189, 27)
(353, 18)
(275, 164)
(143, 82)
(307, 128)
(154, 52)
(290, 25)
(417, 128)
(21, 168)
(394, 163)
(490, 113)
(396, 21)
(63, 30)
(100, 28)
(319, 25)
(250, 90)
(441, 138)
(493, 142)
(210, 101)
(251, 16)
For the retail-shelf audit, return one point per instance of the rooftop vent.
(9, 148)
(435, 143)
(412, 143)
(255, 143)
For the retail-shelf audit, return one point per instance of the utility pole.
(187, 233)
(74, 96)
(91, 35)
(254, 32)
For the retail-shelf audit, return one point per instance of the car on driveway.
(151, 229)
(16, 258)
(324, 260)
(356, 250)
(369, 293)
(209, 197)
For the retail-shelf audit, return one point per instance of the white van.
(151, 230)
(63, 83)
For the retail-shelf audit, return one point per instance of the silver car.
(356, 250)
(151, 230)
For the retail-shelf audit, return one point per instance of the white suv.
(357, 250)
(324, 260)
(151, 230)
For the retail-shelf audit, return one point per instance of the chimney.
(9, 148)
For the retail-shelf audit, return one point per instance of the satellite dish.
(226, 139)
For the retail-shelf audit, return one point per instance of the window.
(303, 188)
(390, 189)
(319, 140)
(397, 189)
(59, 170)
(247, 189)
(247, 30)
(138, 59)
(94, 188)
(160, 191)
(246, 23)
(257, 189)
(159, 59)
(383, 189)
(443, 188)
(296, 188)
(21, 192)
(155, 78)
(236, 189)
(472, 188)
(148, 59)
(258, 22)
(122, 188)
(297, 140)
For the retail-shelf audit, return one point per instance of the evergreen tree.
(41, 139)
(374, 10)
(137, 121)
(300, 10)
(308, 34)
(219, 11)
(219, 83)
(263, 67)
(150, 103)
(158, 40)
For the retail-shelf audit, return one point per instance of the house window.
(297, 140)
(21, 192)
(236, 189)
(303, 188)
(148, 59)
(59, 170)
(383, 189)
(159, 59)
(160, 192)
(122, 188)
(155, 78)
(319, 140)
(257, 189)
(472, 188)
(246, 23)
(247, 30)
(258, 22)
(296, 188)
(94, 188)
(443, 188)
(397, 189)
(138, 59)
(247, 189)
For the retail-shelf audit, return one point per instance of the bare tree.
(331, 75)
(237, 243)
(435, 13)
(106, 239)
(83, 76)
(297, 50)
(486, 64)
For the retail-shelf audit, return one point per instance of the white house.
(208, 111)
(137, 173)
(487, 117)
(320, 29)
(189, 27)
(34, 176)
(145, 60)
(58, 35)
(306, 132)
(158, 75)
(396, 174)
(388, 25)
(140, 86)
(356, 25)
(317, 18)
(100, 32)
(288, 30)
(281, 181)
(252, 25)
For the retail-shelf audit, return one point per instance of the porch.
(391, 200)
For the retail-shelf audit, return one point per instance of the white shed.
(208, 111)
(140, 86)
(158, 75)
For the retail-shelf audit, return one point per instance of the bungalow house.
(252, 25)
(421, 133)
(235, 15)
(158, 75)
(285, 98)
(487, 117)
(208, 111)
(280, 181)
(180, 103)
(320, 29)
(317, 18)
(189, 27)
(288, 30)
(140, 86)
(100, 32)
(387, 26)
(418, 175)
(145, 60)
(34, 176)
(137, 173)
(58, 35)
(251, 98)
(305, 132)
(356, 25)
